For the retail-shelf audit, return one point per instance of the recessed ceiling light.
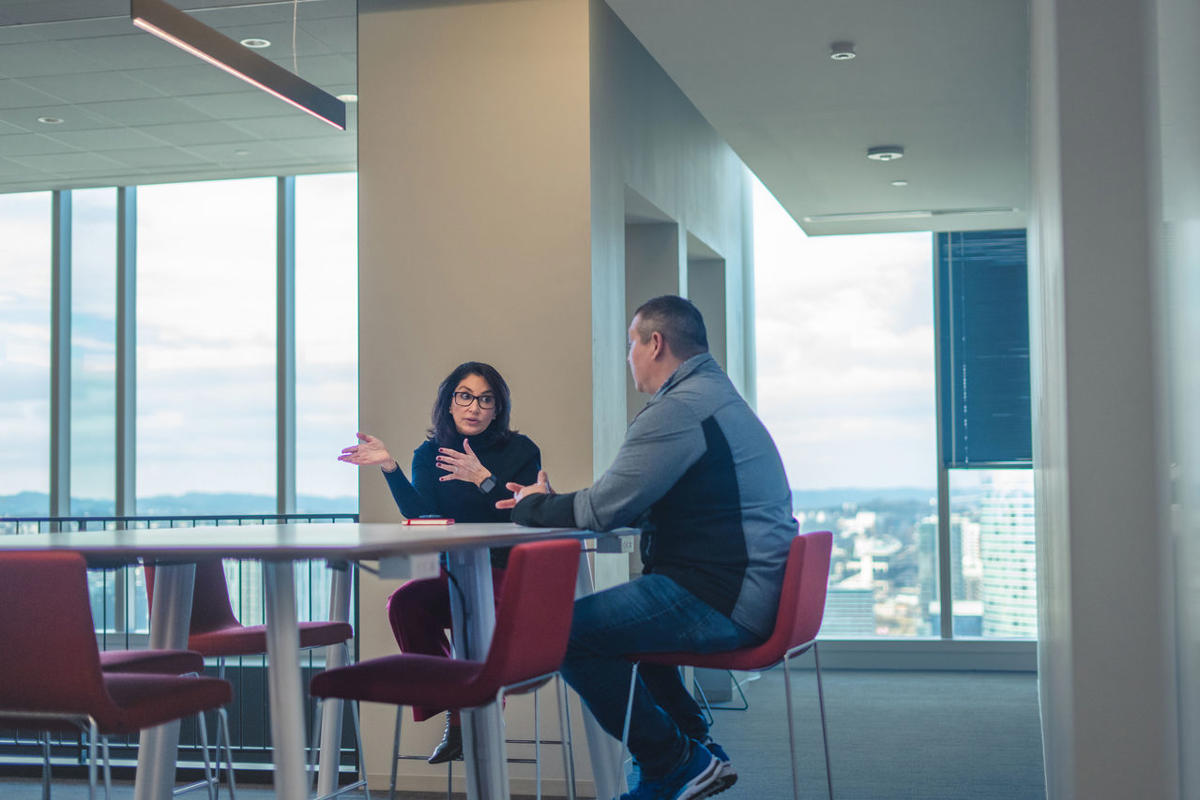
(900, 183)
(348, 98)
(50, 120)
(842, 51)
(885, 152)
(255, 43)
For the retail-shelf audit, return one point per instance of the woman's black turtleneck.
(509, 458)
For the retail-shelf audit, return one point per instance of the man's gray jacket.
(702, 477)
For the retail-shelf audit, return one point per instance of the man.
(701, 476)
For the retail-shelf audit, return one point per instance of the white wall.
(1105, 658)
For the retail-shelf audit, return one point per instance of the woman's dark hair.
(443, 431)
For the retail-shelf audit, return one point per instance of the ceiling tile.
(147, 112)
(98, 87)
(66, 163)
(121, 138)
(190, 133)
(31, 144)
(15, 94)
(156, 157)
(43, 58)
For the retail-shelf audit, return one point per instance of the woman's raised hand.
(464, 466)
(369, 452)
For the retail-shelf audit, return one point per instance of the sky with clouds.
(845, 352)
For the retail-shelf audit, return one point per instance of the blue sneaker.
(692, 780)
(726, 774)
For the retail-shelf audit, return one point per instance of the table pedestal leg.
(158, 747)
(331, 709)
(283, 681)
(474, 620)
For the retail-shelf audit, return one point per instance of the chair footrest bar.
(349, 787)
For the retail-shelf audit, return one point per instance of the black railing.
(120, 611)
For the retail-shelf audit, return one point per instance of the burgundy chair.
(801, 609)
(533, 623)
(215, 632)
(55, 682)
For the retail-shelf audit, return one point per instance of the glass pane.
(992, 549)
(846, 387)
(326, 341)
(25, 354)
(206, 348)
(93, 351)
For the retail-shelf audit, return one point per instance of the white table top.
(333, 541)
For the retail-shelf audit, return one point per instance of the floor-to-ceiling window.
(93, 351)
(206, 347)
(326, 340)
(847, 384)
(25, 247)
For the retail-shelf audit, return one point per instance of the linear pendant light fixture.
(187, 33)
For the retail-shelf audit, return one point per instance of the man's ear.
(657, 345)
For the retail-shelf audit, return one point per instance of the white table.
(398, 548)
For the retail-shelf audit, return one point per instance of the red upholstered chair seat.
(248, 640)
(158, 662)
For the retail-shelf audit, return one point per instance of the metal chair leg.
(45, 766)
(107, 768)
(625, 729)
(93, 735)
(362, 764)
(209, 783)
(223, 731)
(787, 684)
(537, 744)
(564, 727)
(824, 730)
(395, 752)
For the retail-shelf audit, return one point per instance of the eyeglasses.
(486, 401)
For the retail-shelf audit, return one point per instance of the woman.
(459, 471)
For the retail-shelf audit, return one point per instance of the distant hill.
(36, 504)
(807, 499)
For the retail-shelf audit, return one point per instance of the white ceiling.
(138, 110)
(946, 79)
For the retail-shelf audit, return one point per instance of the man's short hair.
(677, 320)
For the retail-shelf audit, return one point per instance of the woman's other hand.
(521, 492)
(462, 466)
(369, 452)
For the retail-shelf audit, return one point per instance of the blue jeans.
(650, 614)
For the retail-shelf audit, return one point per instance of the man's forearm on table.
(546, 511)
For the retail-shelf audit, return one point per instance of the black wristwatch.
(488, 484)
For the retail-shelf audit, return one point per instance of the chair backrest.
(533, 618)
(49, 659)
(211, 609)
(802, 597)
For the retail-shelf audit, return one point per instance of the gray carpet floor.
(893, 736)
